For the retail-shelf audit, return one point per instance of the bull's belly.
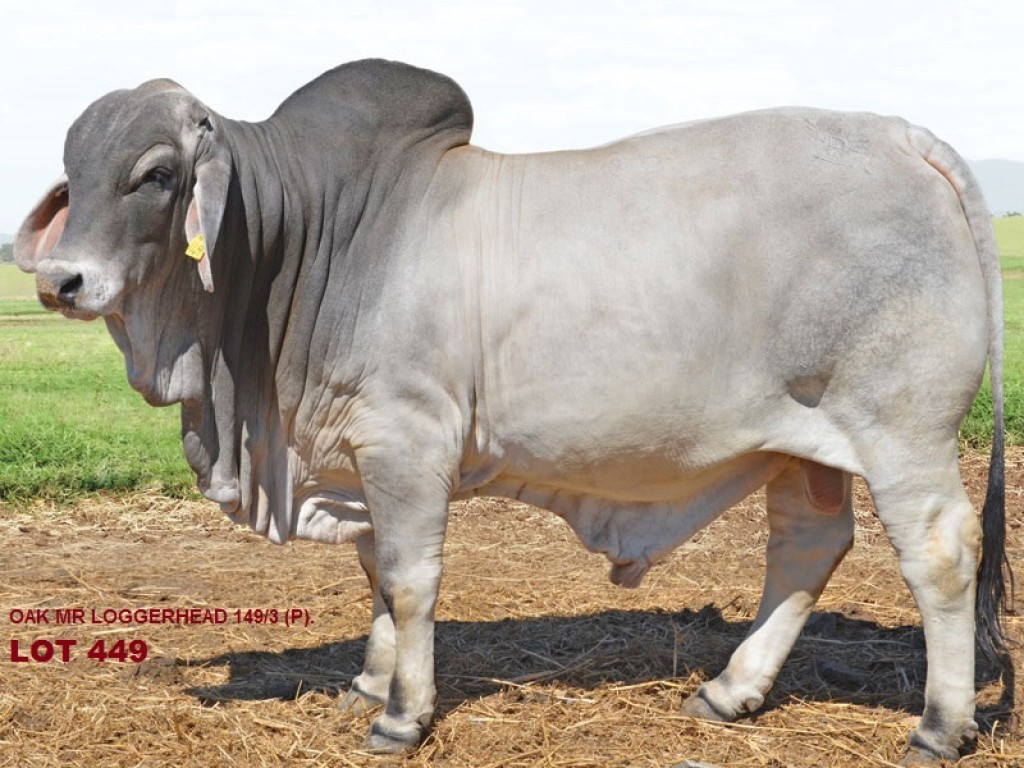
(635, 534)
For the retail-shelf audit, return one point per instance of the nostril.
(69, 288)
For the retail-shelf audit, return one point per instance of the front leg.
(409, 508)
(370, 688)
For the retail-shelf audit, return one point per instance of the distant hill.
(6, 238)
(1002, 181)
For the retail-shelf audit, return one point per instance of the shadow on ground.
(836, 659)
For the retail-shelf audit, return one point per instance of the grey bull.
(385, 317)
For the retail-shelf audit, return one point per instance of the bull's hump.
(374, 94)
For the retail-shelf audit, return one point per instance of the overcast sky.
(542, 74)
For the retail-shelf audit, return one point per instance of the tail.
(994, 572)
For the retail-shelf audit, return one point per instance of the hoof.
(700, 707)
(389, 737)
(359, 703)
(928, 748)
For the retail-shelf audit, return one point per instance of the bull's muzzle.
(58, 286)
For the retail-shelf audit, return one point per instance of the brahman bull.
(385, 317)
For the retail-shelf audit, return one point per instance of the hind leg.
(808, 537)
(927, 516)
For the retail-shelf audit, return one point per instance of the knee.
(410, 595)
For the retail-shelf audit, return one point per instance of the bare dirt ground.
(541, 662)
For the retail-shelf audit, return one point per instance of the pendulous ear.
(42, 228)
(209, 199)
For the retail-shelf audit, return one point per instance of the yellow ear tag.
(196, 248)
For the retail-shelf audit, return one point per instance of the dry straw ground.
(541, 662)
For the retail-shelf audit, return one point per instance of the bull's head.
(146, 171)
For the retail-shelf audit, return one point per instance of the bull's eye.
(160, 178)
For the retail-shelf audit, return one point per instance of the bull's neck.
(284, 228)
(256, 261)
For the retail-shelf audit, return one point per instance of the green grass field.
(1010, 237)
(70, 424)
(17, 293)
